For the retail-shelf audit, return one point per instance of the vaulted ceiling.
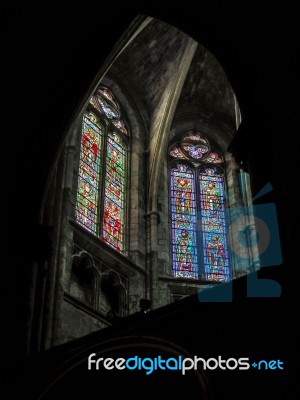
(207, 100)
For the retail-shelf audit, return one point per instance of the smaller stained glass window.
(101, 197)
(104, 107)
(213, 223)
(120, 125)
(106, 93)
(196, 152)
(177, 153)
(196, 137)
(183, 211)
(89, 168)
(214, 158)
(113, 220)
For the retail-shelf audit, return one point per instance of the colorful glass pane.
(177, 153)
(103, 107)
(213, 226)
(89, 167)
(183, 214)
(196, 152)
(214, 158)
(120, 125)
(108, 110)
(106, 93)
(94, 102)
(114, 196)
(194, 136)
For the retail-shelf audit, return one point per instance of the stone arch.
(85, 278)
(137, 119)
(115, 294)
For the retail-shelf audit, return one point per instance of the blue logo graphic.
(253, 243)
(267, 365)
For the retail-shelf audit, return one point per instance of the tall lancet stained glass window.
(198, 223)
(101, 193)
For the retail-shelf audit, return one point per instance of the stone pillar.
(62, 278)
(40, 261)
(250, 230)
(159, 134)
(60, 267)
(152, 222)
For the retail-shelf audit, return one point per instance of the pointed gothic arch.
(199, 247)
(101, 195)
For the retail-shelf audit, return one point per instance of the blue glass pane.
(213, 226)
(183, 215)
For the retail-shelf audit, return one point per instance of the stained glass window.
(120, 125)
(89, 173)
(213, 225)
(184, 219)
(195, 136)
(177, 153)
(214, 158)
(109, 111)
(101, 195)
(198, 223)
(105, 105)
(195, 151)
(106, 93)
(114, 199)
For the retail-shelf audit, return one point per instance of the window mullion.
(199, 231)
(102, 180)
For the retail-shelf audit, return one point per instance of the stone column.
(250, 230)
(59, 271)
(159, 134)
